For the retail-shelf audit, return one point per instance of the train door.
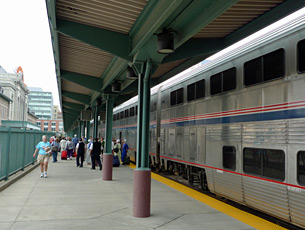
(179, 142)
(193, 144)
(201, 153)
(172, 142)
(186, 143)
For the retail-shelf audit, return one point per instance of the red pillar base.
(141, 193)
(107, 166)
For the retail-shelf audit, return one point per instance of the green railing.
(16, 149)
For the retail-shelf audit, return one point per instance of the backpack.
(116, 148)
(54, 147)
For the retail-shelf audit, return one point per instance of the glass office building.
(41, 103)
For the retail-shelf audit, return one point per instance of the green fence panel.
(16, 149)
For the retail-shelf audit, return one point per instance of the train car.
(236, 125)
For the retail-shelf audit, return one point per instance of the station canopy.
(94, 41)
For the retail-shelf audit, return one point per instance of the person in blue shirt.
(124, 150)
(44, 149)
(75, 140)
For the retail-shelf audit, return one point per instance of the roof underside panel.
(237, 16)
(76, 56)
(66, 99)
(164, 68)
(75, 88)
(115, 15)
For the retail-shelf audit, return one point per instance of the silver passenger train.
(235, 125)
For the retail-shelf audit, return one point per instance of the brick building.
(51, 125)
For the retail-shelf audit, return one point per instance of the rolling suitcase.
(64, 155)
(127, 160)
(116, 161)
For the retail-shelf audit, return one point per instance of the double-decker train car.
(235, 125)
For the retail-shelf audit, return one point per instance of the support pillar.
(88, 130)
(95, 124)
(142, 173)
(107, 156)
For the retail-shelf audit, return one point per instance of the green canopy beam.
(73, 105)
(71, 111)
(153, 16)
(198, 15)
(83, 98)
(109, 41)
(195, 47)
(89, 82)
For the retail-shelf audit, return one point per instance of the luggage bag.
(116, 161)
(64, 155)
(127, 160)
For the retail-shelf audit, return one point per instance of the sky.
(25, 41)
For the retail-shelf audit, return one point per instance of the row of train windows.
(265, 68)
(133, 111)
(268, 163)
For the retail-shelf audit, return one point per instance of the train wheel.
(190, 177)
(203, 181)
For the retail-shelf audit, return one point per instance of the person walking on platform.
(95, 152)
(124, 151)
(63, 144)
(117, 148)
(75, 140)
(80, 150)
(88, 157)
(70, 148)
(44, 149)
(55, 149)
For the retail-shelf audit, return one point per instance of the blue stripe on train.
(276, 115)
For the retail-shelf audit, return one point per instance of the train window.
(223, 82)
(301, 167)
(176, 97)
(126, 113)
(274, 65)
(216, 84)
(265, 68)
(131, 111)
(196, 90)
(180, 96)
(265, 162)
(173, 98)
(229, 157)
(191, 92)
(229, 80)
(253, 72)
(301, 56)
(200, 89)
(122, 115)
(136, 110)
(114, 117)
(118, 116)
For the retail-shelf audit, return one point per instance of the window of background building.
(38, 123)
(45, 123)
(53, 129)
(45, 129)
(53, 123)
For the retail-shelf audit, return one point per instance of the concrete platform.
(78, 198)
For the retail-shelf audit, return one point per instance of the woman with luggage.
(70, 148)
(55, 149)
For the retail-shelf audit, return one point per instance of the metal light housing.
(116, 87)
(131, 75)
(165, 42)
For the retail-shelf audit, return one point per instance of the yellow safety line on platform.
(236, 213)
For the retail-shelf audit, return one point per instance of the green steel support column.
(139, 118)
(88, 130)
(142, 173)
(7, 169)
(107, 157)
(145, 118)
(95, 124)
(80, 129)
